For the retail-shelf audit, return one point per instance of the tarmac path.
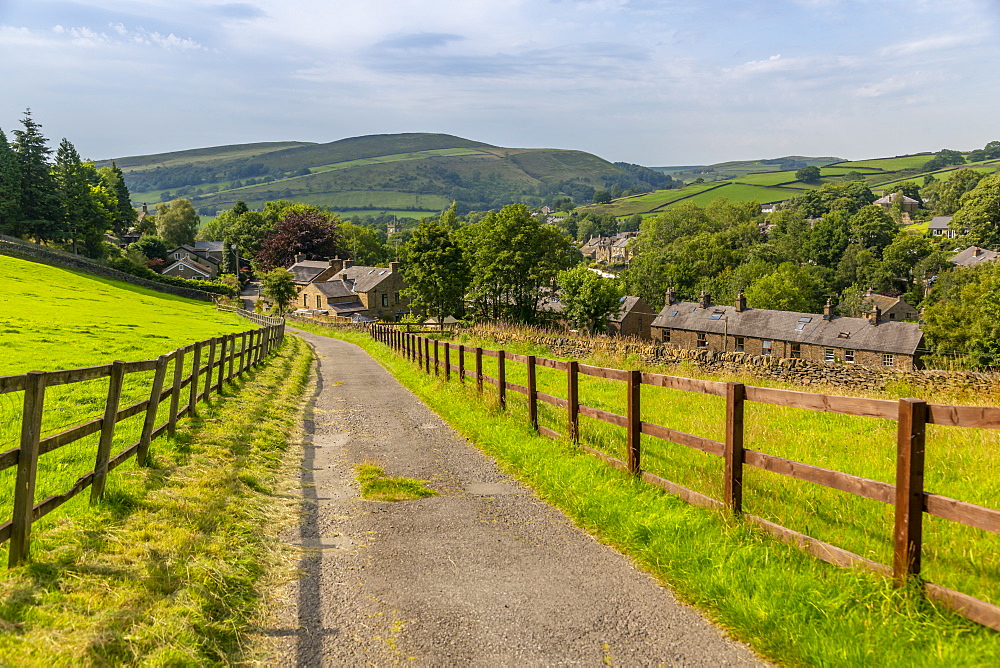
(483, 575)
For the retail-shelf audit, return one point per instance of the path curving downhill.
(483, 575)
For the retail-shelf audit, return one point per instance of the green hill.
(745, 183)
(418, 172)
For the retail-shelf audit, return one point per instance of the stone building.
(823, 338)
(361, 293)
(634, 319)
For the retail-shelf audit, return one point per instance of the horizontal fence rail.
(201, 373)
(907, 495)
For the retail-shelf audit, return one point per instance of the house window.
(385, 299)
(797, 350)
(177, 256)
(397, 297)
(892, 316)
(639, 325)
(666, 336)
(702, 340)
(766, 347)
(849, 356)
(740, 344)
(305, 301)
(319, 304)
(828, 354)
(888, 359)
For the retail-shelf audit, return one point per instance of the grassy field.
(174, 566)
(47, 327)
(890, 164)
(790, 607)
(738, 192)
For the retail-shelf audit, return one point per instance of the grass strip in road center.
(790, 607)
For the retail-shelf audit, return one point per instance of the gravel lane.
(483, 575)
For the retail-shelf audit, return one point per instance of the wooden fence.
(908, 495)
(212, 363)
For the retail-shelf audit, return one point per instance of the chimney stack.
(977, 251)
(336, 264)
(394, 267)
(348, 263)
(704, 299)
(300, 257)
(828, 309)
(741, 302)
(671, 296)
(876, 314)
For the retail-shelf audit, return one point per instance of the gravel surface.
(484, 575)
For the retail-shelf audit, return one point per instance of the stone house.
(892, 308)
(821, 338)
(940, 226)
(634, 319)
(310, 271)
(908, 206)
(362, 293)
(972, 256)
(194, 268)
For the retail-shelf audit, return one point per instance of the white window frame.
(888, 359)
(849, 356)
(829, 355)
(739, 344)
(767, 347)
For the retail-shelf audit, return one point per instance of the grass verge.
(377, 486)
(171, 568)
(791, 608)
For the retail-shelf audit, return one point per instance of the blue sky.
(655, 82)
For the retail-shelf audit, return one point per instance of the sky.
(670, 82)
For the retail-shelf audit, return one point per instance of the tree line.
(65, 199)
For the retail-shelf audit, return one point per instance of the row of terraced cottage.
(884, 338)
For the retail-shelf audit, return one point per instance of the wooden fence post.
(27, 466)
(154, 404)
(223, 347)
(437, 363)
(461, 363)
(479, 369)
(195, 378)
(634, 422)
(108, 429)
(733, 488)
(502, 378)
(175, 392)
(910, 442)
(573, 399)
(447, 361)
(427, 354)
(210, 370)
(232, 357)
(532, 394)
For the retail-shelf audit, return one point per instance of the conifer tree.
(125, 215)
(10, 189)
(40, 215)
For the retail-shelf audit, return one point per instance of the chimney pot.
(671, 296)
(300, 257)
(741, 302)
(394, 267)
(705, 300)
(828, 309)
(336, 264)
(875, 315)
(348, 263)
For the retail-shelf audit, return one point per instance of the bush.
(126, 265)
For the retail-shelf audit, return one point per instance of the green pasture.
(959, 462)
(59, 319)
(890, 164)
(790, 607)
(768, 178)
(738, 192)
(398, 157)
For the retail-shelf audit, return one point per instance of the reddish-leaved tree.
(303, 229)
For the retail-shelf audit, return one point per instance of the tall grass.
(790, 607)
(173, 566)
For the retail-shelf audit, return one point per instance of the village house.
(311, 271)
(634, 319)
(891, 308)
(972, 256)
(361, 293)
(940, 226)
(609, 250)
(191, 262)
(870, 341)
(909, 205)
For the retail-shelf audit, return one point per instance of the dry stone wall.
(801, 372)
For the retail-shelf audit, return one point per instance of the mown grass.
(173, 566)
(790, 607)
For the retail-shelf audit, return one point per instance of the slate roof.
(853, 333)
(891, 199)
(334, 289)
(628, 303)
(363, 279)
(348, 307)
(193, 264)
(970, 258)
(210, 246)
(940, 223)
(307, 270)
(194, 251)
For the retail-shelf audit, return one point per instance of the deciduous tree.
(588, 300)
(177, 222)
(302, 229)
(435, 268)
(980, 212)
(278, 285)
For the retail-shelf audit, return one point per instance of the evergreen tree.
(83, 204)
(40, 215)
(125, 216)
(10, 189)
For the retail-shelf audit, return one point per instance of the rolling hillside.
(416, 172)
(777, 186)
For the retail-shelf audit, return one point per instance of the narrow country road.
(483, 575)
